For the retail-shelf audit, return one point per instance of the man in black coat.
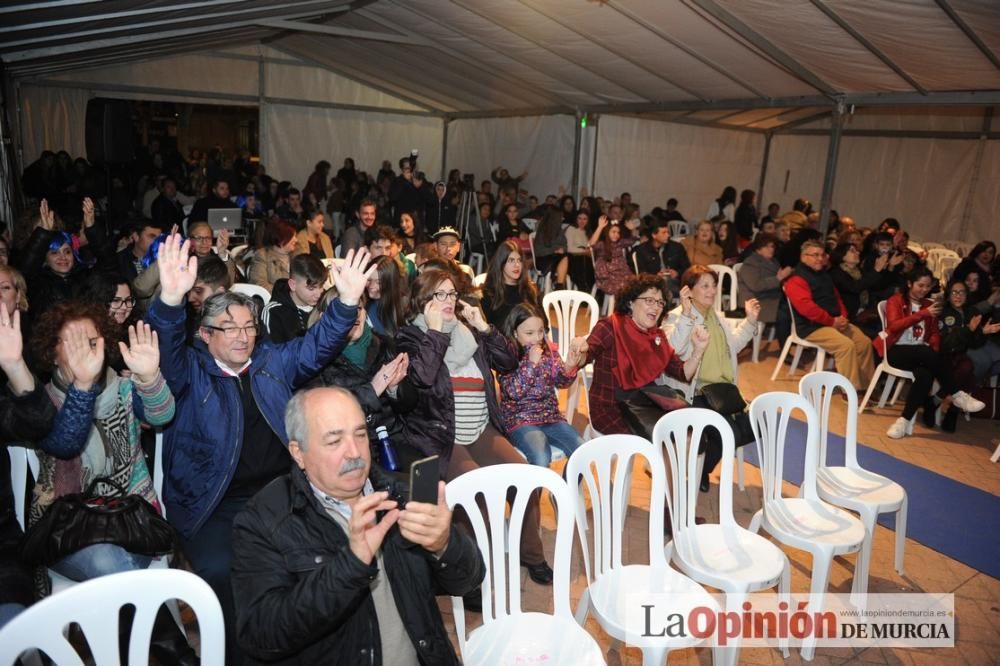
(167, 209)
(662, 256)
(217, 198)
(329, 567)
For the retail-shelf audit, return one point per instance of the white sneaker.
(899, 428)
(967, 403)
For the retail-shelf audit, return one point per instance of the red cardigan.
(898, 318)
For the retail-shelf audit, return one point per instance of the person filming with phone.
(332, 564)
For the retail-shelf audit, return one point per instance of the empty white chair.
(849, 485)
(805, 522)
(567, 304)
(800, 344)
(678, 229)
(616, 589)
(886, 368)
(725, 300)
(508, 631)
(724, 555)
(251, 290)
(946, 266)
(95, 606)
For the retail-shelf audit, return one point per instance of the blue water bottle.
(388, 456)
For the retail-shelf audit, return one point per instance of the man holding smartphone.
(332, 565)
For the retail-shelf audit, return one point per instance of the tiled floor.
(963, 456)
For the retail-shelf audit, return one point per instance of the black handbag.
(73, 522)
(727, 400)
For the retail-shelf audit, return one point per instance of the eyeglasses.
(958, 292)
(118, 303)
(201, 239)
(233, 332)
(443, 296)
(652, 302)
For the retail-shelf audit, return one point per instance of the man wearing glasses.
(228, 439)
(821, 318)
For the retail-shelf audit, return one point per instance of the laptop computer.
(225, 218)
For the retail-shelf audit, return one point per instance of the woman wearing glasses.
(726, 337)
(630, 352)
(452, 352)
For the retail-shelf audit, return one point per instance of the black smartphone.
(424, 478)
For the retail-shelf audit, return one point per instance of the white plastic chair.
(567, 304)
(95, 606)
(946, 266)
(884, 367)
(544, 281)
(251, 290)
(851, 486)
(338, 251)
(508, 631)
(678, 229)
(804, 522)
(801, 343)
(608, 305)
(724, 555)
(603, 466)
(479, 280)
(721, 296)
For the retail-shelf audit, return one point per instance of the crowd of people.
(117, 317)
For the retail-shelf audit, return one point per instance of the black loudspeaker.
(110, 137)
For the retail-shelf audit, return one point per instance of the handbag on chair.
(73, 522)
(727, 400)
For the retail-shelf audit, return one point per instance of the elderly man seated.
(329, 567)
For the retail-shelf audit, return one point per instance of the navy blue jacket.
(201, 448)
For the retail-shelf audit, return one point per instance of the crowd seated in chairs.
(111, 324)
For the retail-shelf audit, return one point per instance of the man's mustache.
(351, 465)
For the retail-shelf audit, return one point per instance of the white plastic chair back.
(328, 263)
(479, 280)
(680, 433)
(567, 306)
(42, 626)
(158, 471)
(603, 466)
(338, 251)
(725, 273)
(635, 263)
(818, 388)
(502, 584)
(411, 256)
(770, 414)
(251, 290)
(678, 229)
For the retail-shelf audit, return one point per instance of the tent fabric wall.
(982, 222)
(53, 119)
(540, 145)
(655, 160)
(795, 168)
(298, 137)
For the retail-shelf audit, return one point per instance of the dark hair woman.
(982, 261)
(507, 284)
(630, 352)
(725, 206)
(411, 231)
(746, 215)
(271, 261)
(386, 294)
(913, 343)
(457, 416)
(729, 242)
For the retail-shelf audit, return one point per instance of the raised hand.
(990, 329)
(88, 212)
(142, 353)
(881, 262)
(46, 218)
(364, 534)
(222, 240)
(350, 276)
(752, 307)
(427, 525)
(11, 343)
(687, 300)
(84, 362)
(535, 354)
(178, 270)
(602, 221)
(432, 315)
(699, 338)
(473, 314)
(935, 308)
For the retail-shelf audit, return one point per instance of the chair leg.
(654, 656)
(755, 521)
(871, 389)
(901, 533)
(739, 468)
(886, 390)
(729, 655)
(820, 577)
(785, 589)
(796, 357)
(899, 389)
(582, 608)
(781, 360)
(859, 586)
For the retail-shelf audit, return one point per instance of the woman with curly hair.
(630, 352)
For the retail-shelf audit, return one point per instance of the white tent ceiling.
(486, 58)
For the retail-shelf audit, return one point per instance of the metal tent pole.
(832, 154)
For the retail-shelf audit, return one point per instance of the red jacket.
(898, 318)
(800, 295)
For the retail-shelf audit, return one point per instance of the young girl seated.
(529, 406)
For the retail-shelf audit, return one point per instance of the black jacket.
(302, 597)
(23, 419)
(282, 319)
(431, 426)
(956, 338)
(167, 212)
(199, 212)
(439, 213)
(672, 253)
